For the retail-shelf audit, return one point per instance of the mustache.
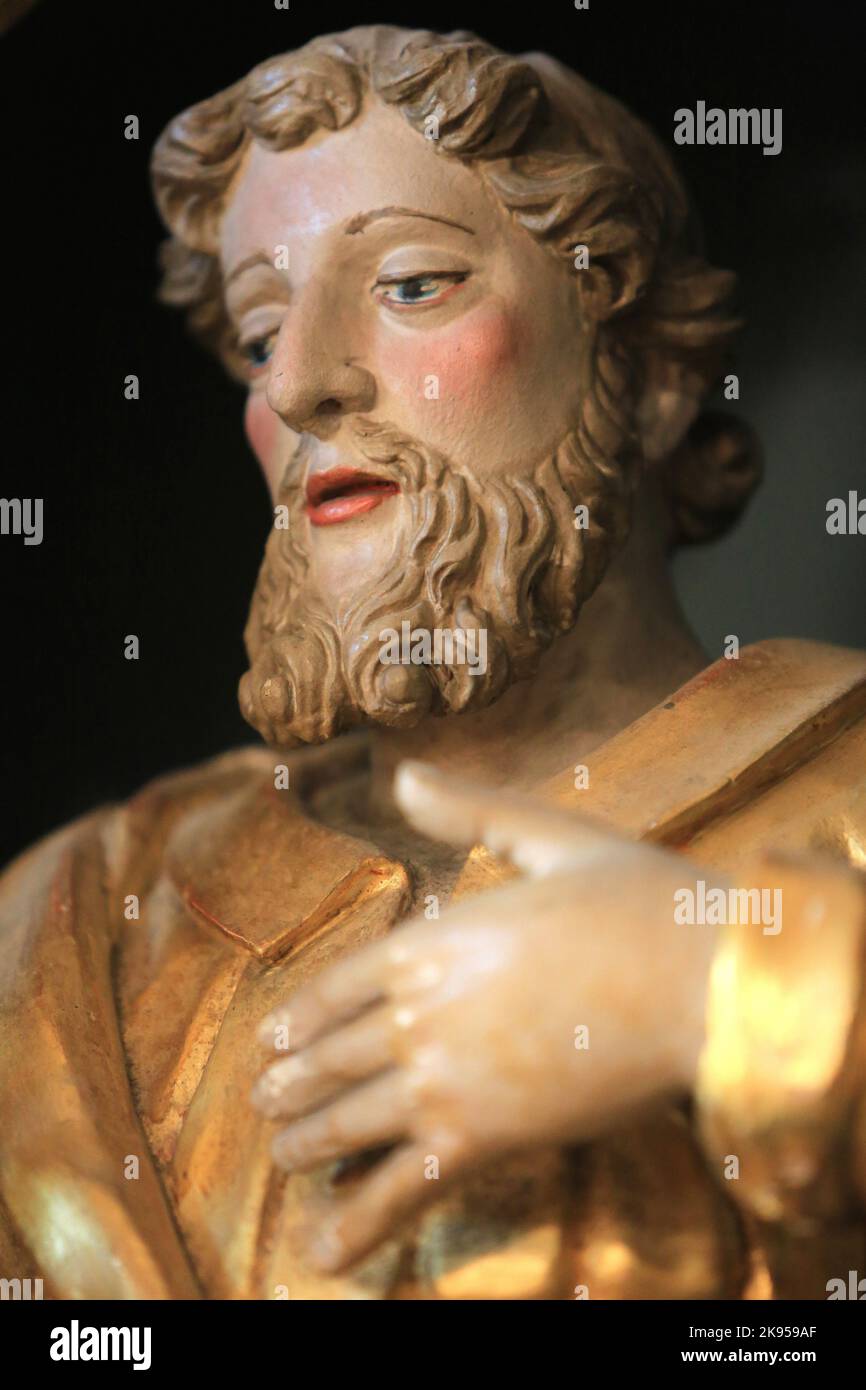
(387, 454)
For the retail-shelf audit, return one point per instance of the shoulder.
(155, 806)
(737, 728)
(130, 838)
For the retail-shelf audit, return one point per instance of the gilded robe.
(132, 1164)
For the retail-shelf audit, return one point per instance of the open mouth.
(343, 493)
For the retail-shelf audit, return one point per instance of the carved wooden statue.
(576, 1007)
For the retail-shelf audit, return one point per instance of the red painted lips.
(343, 493)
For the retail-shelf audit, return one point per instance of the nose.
(312, 383)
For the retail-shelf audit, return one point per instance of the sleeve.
(81, 1203)
(781, 1081)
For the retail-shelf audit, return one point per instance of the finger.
(299, 1083)
(364, 1118)
(398, 1186)
(537, 839)
(349, 985)
(356, 982)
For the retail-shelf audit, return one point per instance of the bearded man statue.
(541, 976)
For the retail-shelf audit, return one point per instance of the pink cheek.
(469, 357)
(261, 426)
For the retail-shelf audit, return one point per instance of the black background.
(155, 514)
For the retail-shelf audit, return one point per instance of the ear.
(669, 406)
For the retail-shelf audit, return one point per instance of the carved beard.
(502, 554)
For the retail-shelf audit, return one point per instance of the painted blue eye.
(418, 289)
(258, 352)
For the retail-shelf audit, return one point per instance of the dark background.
(155, 514)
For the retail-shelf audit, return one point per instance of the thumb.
(537, 839)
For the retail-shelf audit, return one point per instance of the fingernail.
(269, 1087)
(274, 1032)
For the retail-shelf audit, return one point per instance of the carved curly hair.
(569, 163)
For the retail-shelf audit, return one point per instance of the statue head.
(466, 295)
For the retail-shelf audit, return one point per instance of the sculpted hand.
(538, 1012)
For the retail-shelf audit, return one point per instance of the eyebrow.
(355, 225)
(363, 219)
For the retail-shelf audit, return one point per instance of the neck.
(630, 648)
